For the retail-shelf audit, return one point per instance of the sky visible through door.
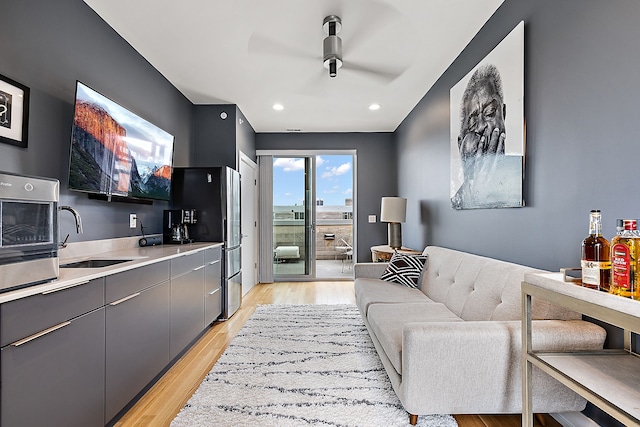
(334, 182)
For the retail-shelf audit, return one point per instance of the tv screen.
(115, 152)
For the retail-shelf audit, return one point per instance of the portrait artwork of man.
(484, 173)
(5, 109)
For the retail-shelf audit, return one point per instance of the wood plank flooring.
(165, 399)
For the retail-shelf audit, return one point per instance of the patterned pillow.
(404, 269)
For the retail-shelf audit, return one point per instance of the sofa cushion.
(404, 269)
(370, 291)
(388, 320)
(481, 288)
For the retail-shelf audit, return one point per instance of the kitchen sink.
(94, 263)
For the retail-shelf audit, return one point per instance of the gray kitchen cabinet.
(52, 358)
(187, 300)
(77, 356)
(137, 342)
(212, 285)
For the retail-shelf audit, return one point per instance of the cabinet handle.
(40, 334)
(213, 292)
(120, 301)
(52, 291)
(198, 268)
(214, 262)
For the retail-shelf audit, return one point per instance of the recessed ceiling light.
(278, 107)
(374, 107)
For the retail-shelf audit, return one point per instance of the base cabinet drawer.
(56, 379)
(27, 316)
(137, 337)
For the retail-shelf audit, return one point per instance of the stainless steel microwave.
(28, 230)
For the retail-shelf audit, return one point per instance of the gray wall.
(376, 173)
(217, 141)
(245, 137)
(214, 137)
(48, 45)
(581, 103)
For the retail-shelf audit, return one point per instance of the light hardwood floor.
(165, 399)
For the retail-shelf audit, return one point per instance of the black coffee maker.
(175, 228)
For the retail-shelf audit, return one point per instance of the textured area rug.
(300, 365)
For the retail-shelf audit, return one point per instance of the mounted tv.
(115, 153)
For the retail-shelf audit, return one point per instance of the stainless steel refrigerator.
(214, 192)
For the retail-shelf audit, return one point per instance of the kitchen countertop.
(140, 256)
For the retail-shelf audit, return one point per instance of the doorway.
(313, 216)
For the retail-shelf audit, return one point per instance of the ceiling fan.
(332, 44)
(332, 53)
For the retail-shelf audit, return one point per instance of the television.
(115, 153)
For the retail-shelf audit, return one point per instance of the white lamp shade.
(393, 209)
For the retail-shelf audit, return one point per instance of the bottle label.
(621, 265)
(591, 271)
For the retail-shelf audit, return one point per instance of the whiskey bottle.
(624, 261)
(596, 256)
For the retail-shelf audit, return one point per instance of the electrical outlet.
(372, 218)
(133, 220)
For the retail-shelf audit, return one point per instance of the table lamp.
(394, 211)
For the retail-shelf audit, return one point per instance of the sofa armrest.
(477, 361)
(371, 270)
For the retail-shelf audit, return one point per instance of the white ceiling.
(255, 53)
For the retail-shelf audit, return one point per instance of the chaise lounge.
(453, 344)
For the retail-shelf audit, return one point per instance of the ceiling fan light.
(334, 59)
(333, 69)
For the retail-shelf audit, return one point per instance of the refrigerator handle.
(224, 232)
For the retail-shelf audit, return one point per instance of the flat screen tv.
(114, 152)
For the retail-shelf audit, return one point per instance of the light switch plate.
(372, 218)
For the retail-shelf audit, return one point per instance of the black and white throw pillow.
(404, 269)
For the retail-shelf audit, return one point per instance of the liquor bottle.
(624, 261)
(596, 256)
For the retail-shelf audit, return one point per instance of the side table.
(382, 253)
(608, 378)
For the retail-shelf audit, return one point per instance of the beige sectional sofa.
(453, 346)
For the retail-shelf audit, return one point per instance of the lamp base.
(395, 235)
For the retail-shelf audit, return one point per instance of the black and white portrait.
(14, 112)
(5, 109)
(487, 129)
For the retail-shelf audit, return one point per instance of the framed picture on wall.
(14, 112)
(487, 129)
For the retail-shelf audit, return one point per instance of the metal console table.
(610, 379)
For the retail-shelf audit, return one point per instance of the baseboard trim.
(574, 419)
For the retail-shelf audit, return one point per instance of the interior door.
(249, 220)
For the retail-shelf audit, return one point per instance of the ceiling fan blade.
(263, 45)
(314, 86)
(370, 21)
(380, 75)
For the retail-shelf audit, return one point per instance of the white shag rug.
(300, 365)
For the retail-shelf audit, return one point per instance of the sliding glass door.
(307, 215)
(293, 217)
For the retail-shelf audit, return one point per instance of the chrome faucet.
(78, 220)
